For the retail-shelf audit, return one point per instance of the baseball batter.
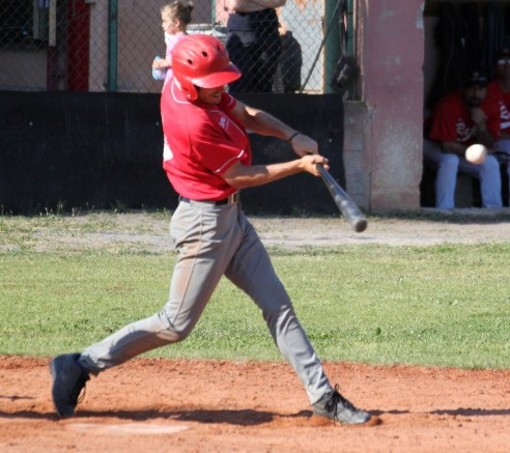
(208, 161)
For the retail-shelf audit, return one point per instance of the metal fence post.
(112, 45)
(350, 28)
(332, 44)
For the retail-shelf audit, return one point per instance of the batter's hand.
(310, 163)
(302, 145)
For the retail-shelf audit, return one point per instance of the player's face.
(475, 95)
(211, 95)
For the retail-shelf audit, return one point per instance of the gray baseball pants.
(212, 241)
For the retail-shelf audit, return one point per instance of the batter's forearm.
(263, 123)
(240, 176)
(259, 175)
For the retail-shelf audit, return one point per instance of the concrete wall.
(391, 54)
(356, 154)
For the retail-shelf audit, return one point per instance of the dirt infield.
(208, 406)
(161, 405)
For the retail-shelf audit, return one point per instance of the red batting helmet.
(202, 60)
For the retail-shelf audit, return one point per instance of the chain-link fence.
(109, 45)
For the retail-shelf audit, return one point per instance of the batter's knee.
(279, 314)
(173, 332)
(271, 297)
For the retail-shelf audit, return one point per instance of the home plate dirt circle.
(127, 428)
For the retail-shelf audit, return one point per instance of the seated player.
(461, 119)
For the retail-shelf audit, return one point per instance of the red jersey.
(495, 93)
(451, 121)
(201, 142)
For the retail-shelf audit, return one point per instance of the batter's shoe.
(337, 408)
(69, 380)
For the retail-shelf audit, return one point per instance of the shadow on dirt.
(242, 417)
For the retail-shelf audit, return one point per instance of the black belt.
(231, 199)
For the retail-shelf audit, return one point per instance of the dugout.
(460, 36)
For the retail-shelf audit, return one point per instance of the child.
(175, 17)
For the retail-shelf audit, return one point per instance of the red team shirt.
(451, 120)
(495, 93)
(202, 142)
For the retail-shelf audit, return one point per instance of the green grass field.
(444, 305)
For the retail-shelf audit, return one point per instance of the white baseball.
(476, 153)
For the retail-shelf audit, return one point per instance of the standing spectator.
(459, 120)
(499, 92)
(253, 43)
(291, 59)
(175, 17)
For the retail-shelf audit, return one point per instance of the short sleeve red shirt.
(201, 142)
(451, 121)
(495, 93)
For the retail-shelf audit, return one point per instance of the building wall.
(387, 156)
(356, 154)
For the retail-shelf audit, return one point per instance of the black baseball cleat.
(337, 408)
(69, 380)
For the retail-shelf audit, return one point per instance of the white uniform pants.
(212, 241)
(503, 156)
(448, 165)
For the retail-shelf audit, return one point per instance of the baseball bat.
(344, 202)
